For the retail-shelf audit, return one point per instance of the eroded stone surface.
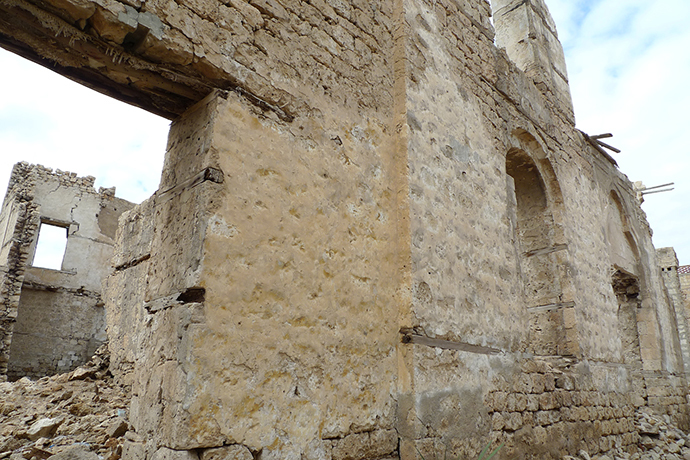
(373, 224)
(227, 453)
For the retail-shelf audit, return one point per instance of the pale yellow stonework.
(378, 233)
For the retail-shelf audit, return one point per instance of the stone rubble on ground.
(659, 440)
(80, 415)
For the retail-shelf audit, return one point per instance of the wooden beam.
(551, 307)
(448, 344)
(657, 191)
(656, 186)
(549, 250)
(601, 136)
(597, 147)
(604, 144)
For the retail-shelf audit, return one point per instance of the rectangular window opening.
(50, 249)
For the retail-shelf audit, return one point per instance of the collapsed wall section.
(57, 319)
(19, 223)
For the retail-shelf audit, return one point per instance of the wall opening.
(534, 230)
(626, 287)
(59, 320)
(51, 246)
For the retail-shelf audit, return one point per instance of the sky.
(50, 120)
(628, 65)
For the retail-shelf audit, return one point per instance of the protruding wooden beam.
(603, 144)
(601, 136)
(595, 143)
(656, 186)
(447, 344)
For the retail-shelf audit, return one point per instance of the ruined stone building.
(377, 232)
(52, 320)
(684, 280)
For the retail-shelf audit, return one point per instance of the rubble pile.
(80, 415)
(659, 439)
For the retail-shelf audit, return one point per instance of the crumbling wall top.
(25, 175)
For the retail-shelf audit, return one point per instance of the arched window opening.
(535, 222)
(539, 259)
(638, 321)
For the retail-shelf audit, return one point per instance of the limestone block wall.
(19, 222)
(376, 233)
(683, 272)
(288, 275)
(507, 260)
(176, 53)
(57, 318)
(274, 246)
(528, 33)
(77, 329)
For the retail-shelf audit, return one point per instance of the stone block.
(547, 401)
(372, 444)
(169, 454)
(235, 452)
(43, 428)
(75, 453)
(532, 402)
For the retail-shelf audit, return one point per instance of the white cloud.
(628, 67)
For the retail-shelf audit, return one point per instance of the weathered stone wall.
(376, 233)
(684, 279)
(54, 332)
(485, 277)
(57, 315)
(288, 253)
(165, 56)
(684, 275)
(19, 223)
(673, 281)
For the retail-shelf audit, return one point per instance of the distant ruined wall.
(376, 233)
(684, 278)
(57, 319)
(674, 283)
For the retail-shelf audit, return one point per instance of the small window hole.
(50, 249)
